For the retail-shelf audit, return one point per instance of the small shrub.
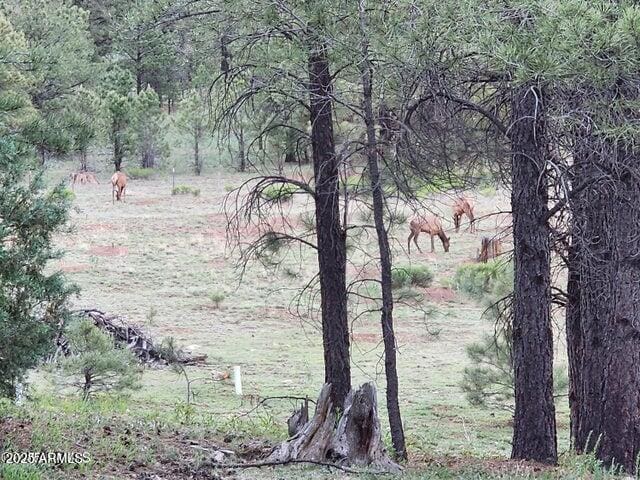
(96, 364)
(492, 280)
(185, 190)
(281, 192)
(488, 382)
(217, 298)
(151, 315)
(411, 276)
(139, 173)
(67, 194)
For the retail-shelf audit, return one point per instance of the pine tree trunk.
(83, 160)
(331, 237)
(241, 153)
(572, 311)
(388, 335)
(574, 338)
(196, 150)
(534, 427)
(118, 148)
(609, 263)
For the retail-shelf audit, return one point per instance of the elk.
(463, 206)
(119, 184)
(489, 248)
(430, 225)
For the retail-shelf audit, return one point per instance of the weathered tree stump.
(356, 440)
(83, 178)
(490, 248)
(299, 419)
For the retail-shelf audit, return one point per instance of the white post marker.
(237, 378)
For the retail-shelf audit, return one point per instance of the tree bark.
(197, 133)
(534, 427)
(241, 153)
(118, 146)
(331, 237)
(388, 335)
(574, 338)
(609, 275)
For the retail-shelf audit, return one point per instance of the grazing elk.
(430, 225)
(119, 184)
(463, 206)
(489, 248)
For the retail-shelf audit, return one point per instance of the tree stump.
(356, 440)
(299, 419)
(83, 178)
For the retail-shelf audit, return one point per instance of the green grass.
(185, 190)
(169, 255)
(139, 173)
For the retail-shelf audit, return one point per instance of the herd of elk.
(119, 185)
(432, 225)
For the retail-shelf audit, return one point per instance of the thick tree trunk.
(388, 335)
(572, 311)
(534, 427)
(609, 275)
(574, 338)
(331, 237)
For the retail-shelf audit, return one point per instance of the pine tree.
(32, 302)
(96, 364)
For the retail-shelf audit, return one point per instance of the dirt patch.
(100, 227)
(18, 432)
(366, 337)
(68, 267)
(109, 251)
(440, 294)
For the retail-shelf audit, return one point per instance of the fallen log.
(355, 441)
(130, 336)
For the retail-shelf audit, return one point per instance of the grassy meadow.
(163, 262)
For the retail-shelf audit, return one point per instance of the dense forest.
(340, 124)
